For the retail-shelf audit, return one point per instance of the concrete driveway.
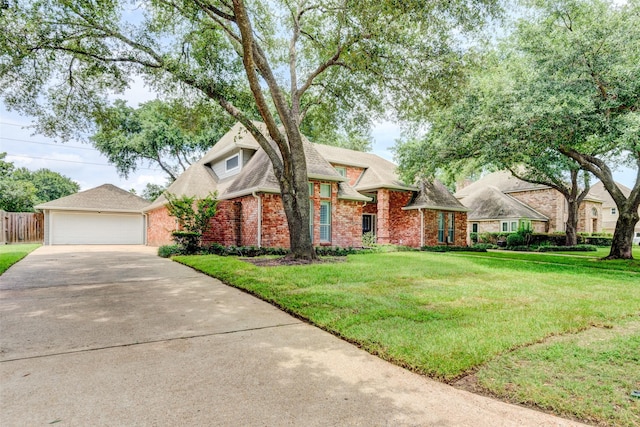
(114, 335)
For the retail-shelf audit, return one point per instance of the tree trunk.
(299, 237)
(623, 235)
(572, 224)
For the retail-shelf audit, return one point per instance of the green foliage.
(152, 191)
(368, 239)
(445, 248)
(170, 250)
(189, 241)
(170, 135)
(515, 239)
(193, 214)
(22, 189)
(576, 248)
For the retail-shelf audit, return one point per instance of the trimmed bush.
(444, 248)
(515, 239)
(577, 248)
(189, 241)
(169, 250)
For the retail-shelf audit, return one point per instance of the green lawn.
(10, 254)
(448, 315)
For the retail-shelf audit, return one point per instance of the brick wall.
(224, 226)
(548, 202)
(249, 224)
(347, 223)
(275, 231)
(587, 221)
(459, 227)
(404, 225)
(159, 227)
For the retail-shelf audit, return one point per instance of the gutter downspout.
(253, 193)
(421, 227)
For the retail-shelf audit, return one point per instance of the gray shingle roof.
(502, 180)
(379, 172)
(491, 203)
(198, 180)
(434, 195)
(107, 198)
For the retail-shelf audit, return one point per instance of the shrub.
(368, 239)
(577, 248)
(484, 246)
(189, 241)
(335, 251)
(443, 248)
(515, 239)
(169, 250)
(599, 241)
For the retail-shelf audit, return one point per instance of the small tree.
(193, 216)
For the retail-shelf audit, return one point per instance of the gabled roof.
(198, 180)
(490, 204)
(378, 172)
(237, 137)
(503, 181)
(434, 195)
(106, 198)
(258, 176)
(599, 191)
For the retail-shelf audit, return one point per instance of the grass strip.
(10, 254)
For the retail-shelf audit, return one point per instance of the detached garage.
(105, 215)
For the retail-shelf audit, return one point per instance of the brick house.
(352, 193)
(500, 202)
(609, 208)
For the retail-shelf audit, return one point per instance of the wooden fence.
(21, 227)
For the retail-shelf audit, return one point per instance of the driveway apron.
(114, 335)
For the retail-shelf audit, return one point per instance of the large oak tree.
(282, 58)
(559, 95)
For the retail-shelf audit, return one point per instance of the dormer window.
(232, 163)
(341, 170)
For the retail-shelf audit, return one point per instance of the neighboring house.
(351, 193)
(609, 208)
(105, 215)
(500, 202)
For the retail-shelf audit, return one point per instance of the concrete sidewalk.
(114, 335)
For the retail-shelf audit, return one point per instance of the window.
(440, 227)
(504, 226)
(450, 234)
(368, 223)
(474, 227)
(614, 211)
(325, 221)
(514, 225)
(325, 191)
(311, 189)
(594, 212)
(232, 163)
(342, 170)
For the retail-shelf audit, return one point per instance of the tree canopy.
(559, 96)
(170, 135)
(22, 189)
(278, 61)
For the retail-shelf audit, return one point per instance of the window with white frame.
(325, 191)
(440, 226)
(341, 170)
(232, 163)
(451, 227)
(325, 221)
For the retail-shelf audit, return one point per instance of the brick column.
(384, 224)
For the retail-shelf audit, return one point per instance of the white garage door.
(96, 229)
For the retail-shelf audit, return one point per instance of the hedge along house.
(500, 202)
(351, 193)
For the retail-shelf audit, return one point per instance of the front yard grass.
(10, 254)
(448, 315)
